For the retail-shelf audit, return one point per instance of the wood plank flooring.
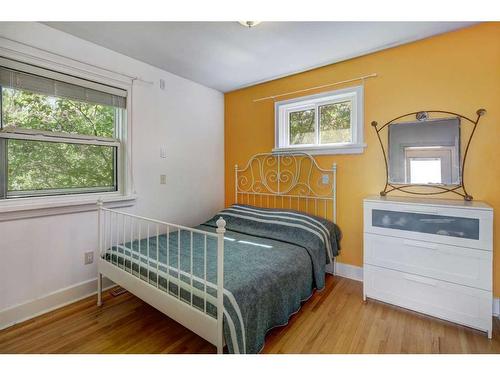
(335, 320)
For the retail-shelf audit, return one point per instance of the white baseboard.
(30, 309)
(74, 293)
(349, 271)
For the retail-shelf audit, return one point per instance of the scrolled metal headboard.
(287, 180)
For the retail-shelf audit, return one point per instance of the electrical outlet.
(163, 179)
(89, 257)
(325, 179)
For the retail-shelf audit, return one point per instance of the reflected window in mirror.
(425, 152)
(424, 171)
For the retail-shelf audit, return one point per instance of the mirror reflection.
(425, 152)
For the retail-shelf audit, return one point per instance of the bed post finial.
(100, 203)
(221, 225)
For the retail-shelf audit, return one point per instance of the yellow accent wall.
(457, 71)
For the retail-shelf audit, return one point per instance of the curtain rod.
(132, 78)
(373, 75)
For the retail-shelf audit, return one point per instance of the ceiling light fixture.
(249, 24)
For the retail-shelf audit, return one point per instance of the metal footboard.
(154, 260)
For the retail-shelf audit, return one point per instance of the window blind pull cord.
(362, 78)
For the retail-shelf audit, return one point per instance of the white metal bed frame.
(293, 181)
(288, 181)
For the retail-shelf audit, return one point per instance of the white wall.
(40, 256)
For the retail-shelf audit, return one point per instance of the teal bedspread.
(273, 261)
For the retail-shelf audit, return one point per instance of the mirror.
(425, 152)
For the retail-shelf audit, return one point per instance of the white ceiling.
(226, 56)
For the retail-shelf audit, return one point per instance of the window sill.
(24, 208)
(324, 150)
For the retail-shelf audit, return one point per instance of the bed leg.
(220, 348)
(99, 289)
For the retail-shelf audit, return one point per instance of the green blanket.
(273, 260)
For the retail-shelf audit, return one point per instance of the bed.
(267, 253)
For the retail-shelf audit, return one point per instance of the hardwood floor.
(335, 320)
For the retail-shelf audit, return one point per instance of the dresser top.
(456, 203)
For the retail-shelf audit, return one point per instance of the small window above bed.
(327, 123)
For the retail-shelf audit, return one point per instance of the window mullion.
(316, 123)
(1, 107)
(354, 120)
(57, 139)
(57, 135)
(3, 168)
(3, 156)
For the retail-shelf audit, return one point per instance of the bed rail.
(152, 257)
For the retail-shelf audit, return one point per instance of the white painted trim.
(325, 150)
(49, 302)
(349, 271)
(63, 297)
(23, 208)
(27, 54)
(496, 307)
(283, 108)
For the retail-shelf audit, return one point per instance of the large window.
(326, 123)
(58, 134)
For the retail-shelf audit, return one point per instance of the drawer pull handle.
(420, 280)
(424, 245)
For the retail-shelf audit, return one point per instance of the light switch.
(325, 179)
(163, 152)
(163, 179)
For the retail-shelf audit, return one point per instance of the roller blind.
(44, 84)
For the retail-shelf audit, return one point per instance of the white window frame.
(26, 207)
(282, 110)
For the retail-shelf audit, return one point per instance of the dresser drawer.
(444, 262)
(465, 227)
(456, 303)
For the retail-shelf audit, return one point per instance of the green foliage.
(302, 127)
(334, 124)
(39, 165)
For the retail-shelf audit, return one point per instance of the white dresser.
(430, 255)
